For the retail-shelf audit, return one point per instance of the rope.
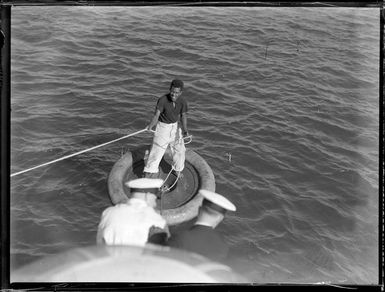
(172, 168)
(187, 137)
(77, 153)
(167, 189)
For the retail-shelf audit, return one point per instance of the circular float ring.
(124, 168)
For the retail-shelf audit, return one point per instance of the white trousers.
(165, 135)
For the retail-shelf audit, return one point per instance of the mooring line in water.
(77, 153)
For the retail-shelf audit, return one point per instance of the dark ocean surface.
(291, 94)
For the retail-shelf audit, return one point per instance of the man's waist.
(168, 124)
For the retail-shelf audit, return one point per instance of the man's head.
(176, 89)
(214, 207)
(146, 189)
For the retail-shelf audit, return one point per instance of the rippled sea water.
(291, 94)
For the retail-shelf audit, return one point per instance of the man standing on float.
(170, 109)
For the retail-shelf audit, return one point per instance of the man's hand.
(158, 235)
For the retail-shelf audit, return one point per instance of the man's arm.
(184, 124)
(154, 120)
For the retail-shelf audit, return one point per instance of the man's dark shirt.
(203, 240)
(168, 113)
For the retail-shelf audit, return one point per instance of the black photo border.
(6, 12)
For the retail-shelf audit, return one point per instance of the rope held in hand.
(77, 153)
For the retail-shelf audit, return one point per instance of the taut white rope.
(77, 153)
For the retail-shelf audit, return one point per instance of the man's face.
(175, 92)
